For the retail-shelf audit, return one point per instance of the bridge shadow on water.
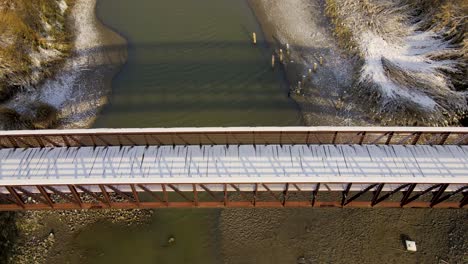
(218, 77)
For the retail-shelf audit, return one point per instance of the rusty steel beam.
(94, 195)
(241, 204)
(464, 200)
(52, 142)
(314, 194)
(75, 140)
(419, 194)
(59, 193)
(15, 195)
(120, 193)
(148, 191)
(105, 194)
(135, 193)
(377, 194)
(46, 196)
(165, 195)
(407, 194)
(352, 135)
(285, 194)
(255, 193)
(388, 195)
(452, 194)
(179, 192)
(225, 194)
(239, 191)
(435, 199)
(271, 193)
(360, 193)
(75, 194)
(36, 196)
(195, 194)
(6, 198)
(209, 192)
(345, 194)
(71, 200)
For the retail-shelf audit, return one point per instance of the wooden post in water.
(281, 55)
(315, 66)
(310, 74)
(321, 60)
(254, 38)
(273, 60)
(287, 48)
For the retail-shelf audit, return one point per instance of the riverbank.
(324, 94)
(75, 91)
(417, 83)
(81, 86)
(35, 41)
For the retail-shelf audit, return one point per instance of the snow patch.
(65, 88)
(410, 54)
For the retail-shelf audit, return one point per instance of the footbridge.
(234, 167)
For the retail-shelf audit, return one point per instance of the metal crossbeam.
(70, 197)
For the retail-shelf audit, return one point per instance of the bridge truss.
(31, 179)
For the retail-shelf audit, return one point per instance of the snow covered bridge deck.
(238, 167)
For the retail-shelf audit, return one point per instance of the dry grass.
(26, 26)
(408, 48)
(450, 18)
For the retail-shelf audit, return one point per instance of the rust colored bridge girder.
(105, 196)
(236, 136)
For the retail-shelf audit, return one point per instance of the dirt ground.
(332, 235)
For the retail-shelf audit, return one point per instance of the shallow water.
(192, 63)
(195, 232)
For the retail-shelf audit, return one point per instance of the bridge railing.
(235, 136)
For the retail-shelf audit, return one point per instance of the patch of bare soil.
(332, 235)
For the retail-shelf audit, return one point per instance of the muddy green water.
(191, 63)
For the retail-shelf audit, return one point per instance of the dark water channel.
(191, 63)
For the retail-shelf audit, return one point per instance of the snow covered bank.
(79, 89)
(408, 64)
(303, 25)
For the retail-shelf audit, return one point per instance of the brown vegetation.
(391, 37)
(33, 38)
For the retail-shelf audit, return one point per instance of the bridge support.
(146, 196)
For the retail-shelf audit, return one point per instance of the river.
(190, 63)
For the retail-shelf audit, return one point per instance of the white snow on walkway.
(237, 164)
